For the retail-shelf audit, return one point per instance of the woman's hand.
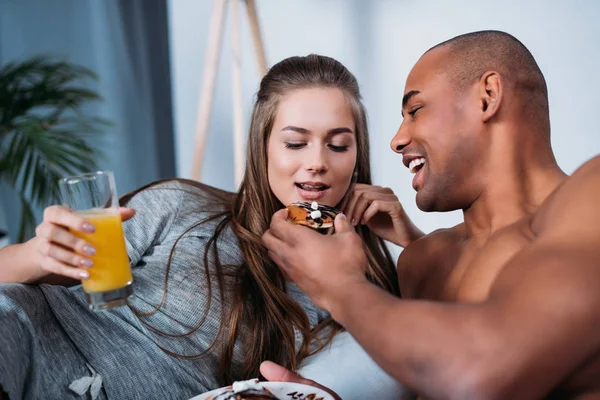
(60, 252)
(380, 210)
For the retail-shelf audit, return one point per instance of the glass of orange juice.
(93, 196)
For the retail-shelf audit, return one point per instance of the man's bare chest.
(478, 264)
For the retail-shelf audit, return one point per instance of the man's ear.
(491, 92)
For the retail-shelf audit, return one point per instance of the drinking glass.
(93, 197)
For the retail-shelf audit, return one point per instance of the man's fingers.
(276, 258)
(271, 241)
(277, 373)
(280, 225)
(126, 213)
(279, 262)
(274, 245)
(342, 224)
(287, 231)
(280, 215)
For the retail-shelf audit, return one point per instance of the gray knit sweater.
(49, 338)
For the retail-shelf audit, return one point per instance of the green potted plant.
(44, 132)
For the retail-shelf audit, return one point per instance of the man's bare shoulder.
(436, 250)
(566, 229)
(551, 286)
(573, 210)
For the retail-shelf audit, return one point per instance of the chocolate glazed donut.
(313, 215)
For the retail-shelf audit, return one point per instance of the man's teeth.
(412, 166)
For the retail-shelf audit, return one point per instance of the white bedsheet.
(347, 369)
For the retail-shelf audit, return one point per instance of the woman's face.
(312, 147)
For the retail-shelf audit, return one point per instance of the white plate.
(279, 389)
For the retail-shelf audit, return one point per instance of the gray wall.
(380, 40)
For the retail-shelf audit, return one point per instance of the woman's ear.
(491, 91)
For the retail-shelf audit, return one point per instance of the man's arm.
(519, 344)
(427, 346)
(540, 323)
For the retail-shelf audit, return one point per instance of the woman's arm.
(18, 263)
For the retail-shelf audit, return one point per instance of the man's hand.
(317, 263)
(379, 208)
(277, 373)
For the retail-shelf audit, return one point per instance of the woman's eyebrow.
(333, 131)
(295, 129)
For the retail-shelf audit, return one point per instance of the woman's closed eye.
(294, 145)
(299, 145)
(338, 148)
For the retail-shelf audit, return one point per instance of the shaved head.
(470, 55)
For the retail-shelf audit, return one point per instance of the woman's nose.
(316, 162)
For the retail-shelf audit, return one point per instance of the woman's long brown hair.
(260, 302)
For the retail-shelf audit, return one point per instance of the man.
(505, 305)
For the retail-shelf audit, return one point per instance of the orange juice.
(111, 264)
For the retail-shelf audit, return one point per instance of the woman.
(209, 305)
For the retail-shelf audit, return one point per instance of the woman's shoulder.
(181, 195)
(180, 201)
(178, 211)
(177, 189)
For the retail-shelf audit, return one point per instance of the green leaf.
(27, 228)
(44, 132)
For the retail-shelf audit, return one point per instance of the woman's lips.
(312, 194)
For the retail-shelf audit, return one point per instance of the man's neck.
(516, 188)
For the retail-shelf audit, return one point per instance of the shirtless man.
(505, 305)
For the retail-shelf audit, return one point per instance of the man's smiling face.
(440, 137)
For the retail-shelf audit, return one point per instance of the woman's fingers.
(365, 200)
(60, 251)
(378, 206)
(360, 191)
(54, 234)
(361, 205)
(56, 267)
(126, 213)
(59, 215)
(65, 256)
